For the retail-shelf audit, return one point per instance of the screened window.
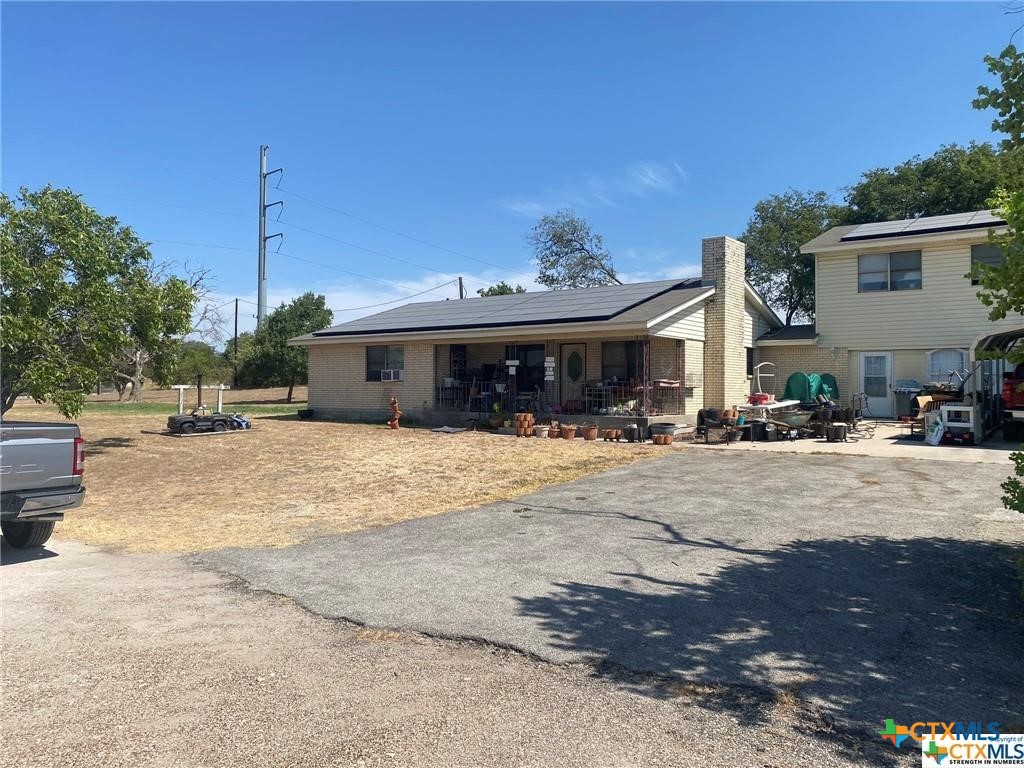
(941, 362)
(987, 253)
(619, 360)
(385, 358)
(898, 271)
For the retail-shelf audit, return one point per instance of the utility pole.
(462, 289)
(234, 378)
(261, 297)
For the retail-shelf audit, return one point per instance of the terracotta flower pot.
(590, 433)
(554, 432)
(568, 433)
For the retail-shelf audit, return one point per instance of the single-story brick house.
(647, 350)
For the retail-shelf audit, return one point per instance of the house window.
(530, 371)
(942, 361)
(385, 363)
(619, 360)
(750, 361)
(987, 253)
(897, 271)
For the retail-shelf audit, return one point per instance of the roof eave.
(953, 236)
(786, 342)
(481, 334)
(762, 306)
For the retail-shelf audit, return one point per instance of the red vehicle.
(1013, 404)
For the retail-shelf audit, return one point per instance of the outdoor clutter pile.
(763, 419)
(660, 434)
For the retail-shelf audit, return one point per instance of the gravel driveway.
(866, 588)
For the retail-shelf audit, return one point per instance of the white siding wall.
(688, 324)
(754, 325)
(945, 312)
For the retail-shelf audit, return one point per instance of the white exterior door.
(876, 382)
(573, 372)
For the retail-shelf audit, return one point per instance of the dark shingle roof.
(537, 308)
(790, 333)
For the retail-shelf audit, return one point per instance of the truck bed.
(37, 456)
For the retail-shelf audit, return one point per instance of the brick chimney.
(723, 261)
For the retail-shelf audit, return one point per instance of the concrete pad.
(884, 440)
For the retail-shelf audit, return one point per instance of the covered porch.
(606, 380)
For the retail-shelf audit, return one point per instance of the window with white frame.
(897, 271)
(942, 361)
(385, 363)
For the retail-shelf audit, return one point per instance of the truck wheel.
(1011, 431)
(188, 428)
(26, 533)
(219, 426)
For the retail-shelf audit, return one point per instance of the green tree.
(236, 361)
(952, 180)
(1002, 288)
(160, 313)
(198, 359)
(774, 234)
(271, 362)
(568, 254)
(501, 289)
(1005, 98)
(68, 297)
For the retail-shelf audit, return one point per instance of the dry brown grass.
(288, 480)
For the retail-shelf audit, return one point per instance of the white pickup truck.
(40, 478)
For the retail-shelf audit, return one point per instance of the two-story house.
(893, 302)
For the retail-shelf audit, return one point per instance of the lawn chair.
(915, 422)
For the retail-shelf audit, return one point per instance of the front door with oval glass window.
(573, 373)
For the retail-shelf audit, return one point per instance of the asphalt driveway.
(867, 588)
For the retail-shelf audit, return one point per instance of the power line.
(388, 283)
(314, 232)
(395, 301)
(393, 231)
(169, 205)
(353, 245)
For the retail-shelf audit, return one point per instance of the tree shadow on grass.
(856, 630)
(105, 444)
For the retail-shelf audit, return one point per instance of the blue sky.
(457, 125)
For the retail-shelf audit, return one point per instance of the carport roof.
(998, 342)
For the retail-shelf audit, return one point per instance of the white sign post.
(181, 395)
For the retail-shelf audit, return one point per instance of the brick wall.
(725, 354)
(807, 358)
(338, 387)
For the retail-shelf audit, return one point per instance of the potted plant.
(568, 431)
(497, 418)
(589, 431)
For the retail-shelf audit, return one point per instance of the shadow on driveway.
(815, 618)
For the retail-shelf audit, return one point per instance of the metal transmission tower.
(261, 297)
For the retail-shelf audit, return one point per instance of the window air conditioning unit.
(391, 374)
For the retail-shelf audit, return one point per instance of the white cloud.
(638, 180)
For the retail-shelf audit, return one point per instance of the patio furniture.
(916, 422)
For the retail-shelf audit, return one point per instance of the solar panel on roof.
(923, 225)
(599, 303)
